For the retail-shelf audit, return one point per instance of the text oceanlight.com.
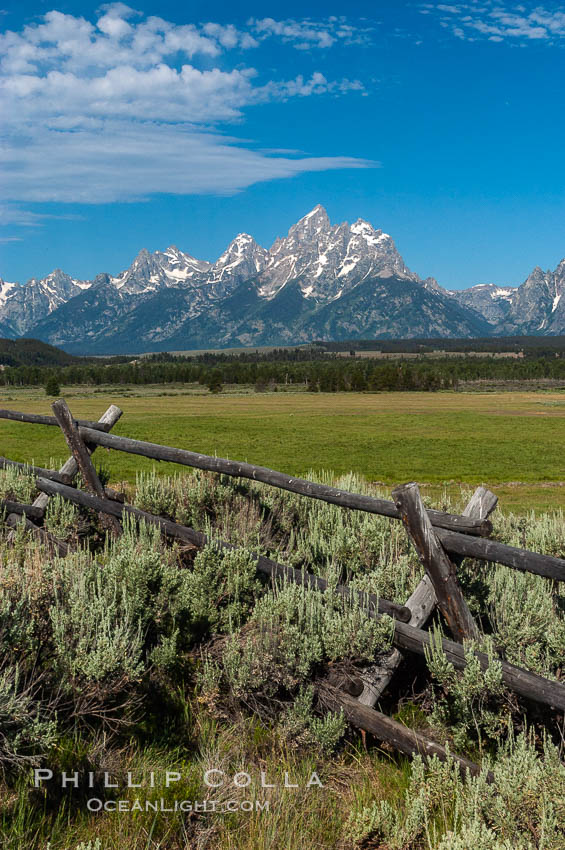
(95, 804)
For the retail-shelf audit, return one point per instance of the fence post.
(421, 603)
(69, 469)
(439, 568)
(82, 457)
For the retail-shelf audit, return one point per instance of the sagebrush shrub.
(291, 631)
(524, 808)
(96, 634)
(61, 517)
(471, 703)
(155, 494)
(26, 730)
(300, 726)
(17, 485)
(220, 590)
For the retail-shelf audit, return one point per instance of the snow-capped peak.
(367, 232)
(315, 222)
(329, 261)
(243, 258)
(6, 289)
(317, 261)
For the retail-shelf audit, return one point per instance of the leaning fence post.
(421, 603)
(69, 468)
(439, 568)
(82, 457)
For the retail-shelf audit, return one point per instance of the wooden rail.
(40, 419)
(35, 470)
(384, 728)
(239, 469)
(81, 454)
(421, 603)
(440, 570)
(466, 545)
(22, 510)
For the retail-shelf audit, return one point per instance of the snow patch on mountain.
(6, 288)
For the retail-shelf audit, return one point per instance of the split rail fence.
(442, 541)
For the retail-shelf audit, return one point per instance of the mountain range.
(319, 282)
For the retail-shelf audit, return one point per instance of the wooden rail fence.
(442, 541)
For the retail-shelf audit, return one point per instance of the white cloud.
(13, 214)
(121, 163)
(307, 34)
(118, 108)
(500, 22)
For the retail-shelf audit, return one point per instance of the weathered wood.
(196, 538)
(59, 547)
(70, 467)
(386, 729)
(377, 677)
(21, 509)
(523, 682)
(500, 553)
(454, 542)
(52, 475)
(110, 493)
(40, 419)
(421, 603)
(481, 504)
(239, 469)
(6, 463)
(439, 568)
(82, 457)
(405, 636)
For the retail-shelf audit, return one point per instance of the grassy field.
(511, 441)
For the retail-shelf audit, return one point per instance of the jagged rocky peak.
(143, 274)
(367, 232)
(535, 307)
(537, 277)
(491, 301)
(329, 261)
(306, 231)
(180, 266)
(315, 222)
(150, 272)
(432, 285)
(22, 306)
(243, 258)
(537, 304)
(61, 284)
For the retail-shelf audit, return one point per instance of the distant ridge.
(33, 352)
(321, 281)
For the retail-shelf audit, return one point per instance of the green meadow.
(512, 441)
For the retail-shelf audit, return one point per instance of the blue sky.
(154, 124)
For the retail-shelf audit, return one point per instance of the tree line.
(338, 374)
